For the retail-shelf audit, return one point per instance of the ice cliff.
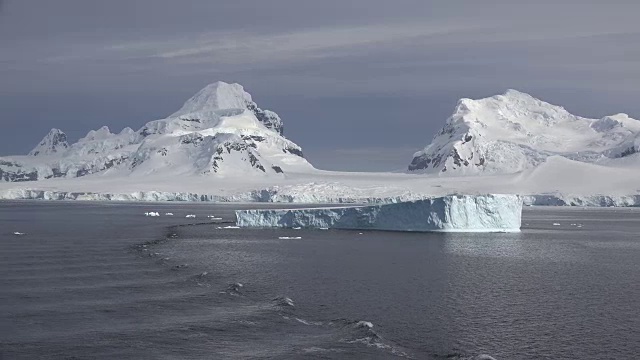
(454, 213)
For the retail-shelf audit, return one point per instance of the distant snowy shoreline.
(222, 147)
(270, 196)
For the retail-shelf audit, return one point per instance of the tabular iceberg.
(454, 213)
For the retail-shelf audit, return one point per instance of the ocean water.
(102, 280)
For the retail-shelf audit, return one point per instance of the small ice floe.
(556, 224)
(213, 217)
(231, 227)
(323, 228)
(289, 237)
(233, 289)
(364, 325)
(309, 323)
(284, 301)
(190, 216)
(17, 233)
(152, 213)
(168, 214)
(484, 357)
(297, 228)
(360, 233)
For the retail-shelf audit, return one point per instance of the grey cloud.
(343, 74)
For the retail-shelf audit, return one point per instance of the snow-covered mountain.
(220, 131)
(55, 142)
(512, 132)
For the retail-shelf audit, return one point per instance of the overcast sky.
(360, 84)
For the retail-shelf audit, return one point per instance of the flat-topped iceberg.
(454, 213)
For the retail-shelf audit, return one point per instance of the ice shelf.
(453, 213)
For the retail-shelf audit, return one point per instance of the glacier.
(453, 213)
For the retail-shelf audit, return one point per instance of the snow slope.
(220, 131)
(457, 213)
(515, 131)
(558, 181)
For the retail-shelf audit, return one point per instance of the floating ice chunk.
(152, 213)
(556, 224)
(213, 217)
(290, 237)
(284, 301)
(364, 324)
(484, 357)
(297, 228)
(309, 323)
(17, 233)
(454, 213)
(168, 214)
(231, 227)
(233, 289)
(190, 216)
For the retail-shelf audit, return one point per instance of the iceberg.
(453, 213)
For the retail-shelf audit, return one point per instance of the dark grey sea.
(104, 281)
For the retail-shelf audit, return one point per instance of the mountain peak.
(55, 141)
(512, 93)
(216, 96)
(224, 96)
(100, 134)
(514, 131)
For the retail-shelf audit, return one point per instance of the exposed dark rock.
(270, 119)
(294, 151)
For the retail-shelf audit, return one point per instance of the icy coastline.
(271, 196)
(454, 213)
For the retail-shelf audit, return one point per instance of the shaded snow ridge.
(454, 213)
(219, 131)
(512, 132)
